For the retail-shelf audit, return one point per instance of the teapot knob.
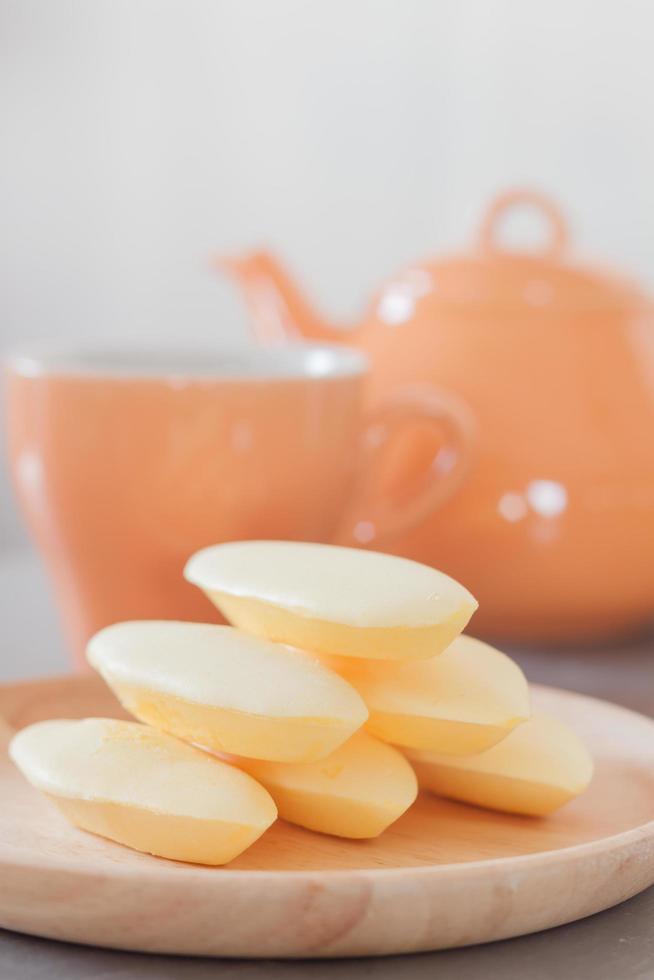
(558, 232)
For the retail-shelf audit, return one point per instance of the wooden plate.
(443, 875)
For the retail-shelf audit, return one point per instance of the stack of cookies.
(342, 684)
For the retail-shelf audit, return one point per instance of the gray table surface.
(614, 945)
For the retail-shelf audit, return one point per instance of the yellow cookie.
(333, 600)
(357, 791)
(540, 766)
(218, 687)
(461, 702)
(144, 789)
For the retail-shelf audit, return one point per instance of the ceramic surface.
(554, 529)
(125, 463)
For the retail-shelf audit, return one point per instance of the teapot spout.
(278, 310)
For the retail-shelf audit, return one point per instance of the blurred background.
(350, 136)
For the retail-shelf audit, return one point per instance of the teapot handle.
(558, 229)
(372, 518)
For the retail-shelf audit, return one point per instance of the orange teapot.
(553, 528)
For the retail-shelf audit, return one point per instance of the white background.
(351, 135)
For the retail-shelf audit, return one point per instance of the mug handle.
(446, 471)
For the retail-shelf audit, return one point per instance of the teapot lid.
(494, 277)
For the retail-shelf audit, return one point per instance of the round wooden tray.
(444, 875)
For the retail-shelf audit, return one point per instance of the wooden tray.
(443, 875)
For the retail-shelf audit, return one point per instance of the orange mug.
(127, 462)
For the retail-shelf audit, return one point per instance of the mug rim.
(294, 362)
